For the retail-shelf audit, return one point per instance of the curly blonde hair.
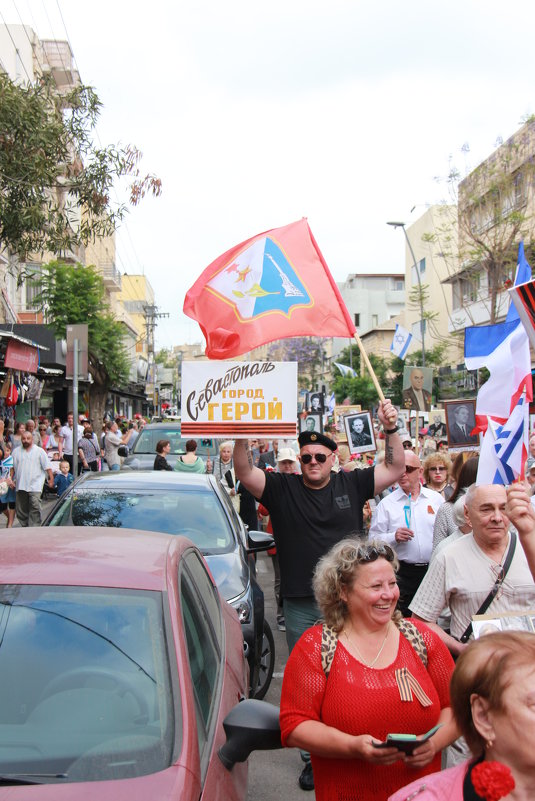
(336, 571)
(434, 459)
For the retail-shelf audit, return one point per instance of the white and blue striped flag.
(345, 370)
(400, 343)
(505, 448)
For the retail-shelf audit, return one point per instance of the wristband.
(390, 430)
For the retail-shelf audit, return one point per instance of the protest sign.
(239, 399)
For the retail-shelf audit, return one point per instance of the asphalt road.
(273, 774)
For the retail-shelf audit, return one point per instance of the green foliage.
(165, 357)
(54, 183)
(70, 294)
(361, 389)
(344, 358)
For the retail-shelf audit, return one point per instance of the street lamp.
(422, 321)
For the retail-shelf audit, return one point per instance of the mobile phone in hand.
(407, 742)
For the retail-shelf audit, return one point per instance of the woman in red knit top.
(379, 681)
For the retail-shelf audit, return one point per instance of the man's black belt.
(414, 564)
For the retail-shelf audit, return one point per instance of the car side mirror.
(258, 541)
(122, 450)
(249, 726)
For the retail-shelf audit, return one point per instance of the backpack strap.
(329, 641)
(415, 638)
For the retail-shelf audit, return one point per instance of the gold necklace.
(368, 664)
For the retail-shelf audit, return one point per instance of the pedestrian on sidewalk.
(30, 469)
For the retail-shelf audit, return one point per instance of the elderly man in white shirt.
(464, 573)
(30, 468)
(405, 520)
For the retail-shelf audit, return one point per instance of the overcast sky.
(257, 114)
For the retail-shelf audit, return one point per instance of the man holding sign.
(313, 511)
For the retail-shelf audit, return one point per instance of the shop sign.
(20, 356)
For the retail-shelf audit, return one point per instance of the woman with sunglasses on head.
(436, 470)
(365, 673)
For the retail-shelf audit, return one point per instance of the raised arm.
(252, 478)
(521, 513)
(393, 466)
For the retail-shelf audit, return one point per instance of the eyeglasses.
(407, 445)
(321, 458)
(410, 469)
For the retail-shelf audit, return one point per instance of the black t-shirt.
(308, 522)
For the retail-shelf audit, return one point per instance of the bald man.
(462, 575)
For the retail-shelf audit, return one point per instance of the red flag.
(273, 286)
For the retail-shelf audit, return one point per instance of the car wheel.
(267, 662)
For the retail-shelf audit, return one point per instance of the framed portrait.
(414, 417)
(403, 418)
(312, 422)
(437, 424)
(339, 413)
(315, 402)
(417, 388)
(359, 432)
(460, 420)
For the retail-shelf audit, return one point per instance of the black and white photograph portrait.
(312, 422)
(460, 420)
(315, 402)
(359, 432)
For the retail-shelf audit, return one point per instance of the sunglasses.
(407, 445)
(321, 458)
(440, 468)
(410, 469)
(367, 553)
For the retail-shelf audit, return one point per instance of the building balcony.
(111, 277)
(59, 62)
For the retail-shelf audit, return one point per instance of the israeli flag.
(505, 447)
(400, 343)
(345, 370)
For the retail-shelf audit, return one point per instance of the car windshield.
(196, 515)
(85, 692)
(149, 438)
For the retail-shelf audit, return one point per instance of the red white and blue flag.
(273, 286)
(504, 350)
(504, 449)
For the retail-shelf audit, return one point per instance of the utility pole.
(151, 315)
(419, 279)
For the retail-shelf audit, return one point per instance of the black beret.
(314, 438)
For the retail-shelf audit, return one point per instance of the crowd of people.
(382, 565)
(377, 605)
(37, 460)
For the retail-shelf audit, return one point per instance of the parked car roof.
(90, 556)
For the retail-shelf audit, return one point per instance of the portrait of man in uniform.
(417, 386)
(359, 432)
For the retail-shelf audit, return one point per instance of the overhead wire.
(17, 51)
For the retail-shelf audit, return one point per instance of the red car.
(119, 662)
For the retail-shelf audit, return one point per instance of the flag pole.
(368, 366)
